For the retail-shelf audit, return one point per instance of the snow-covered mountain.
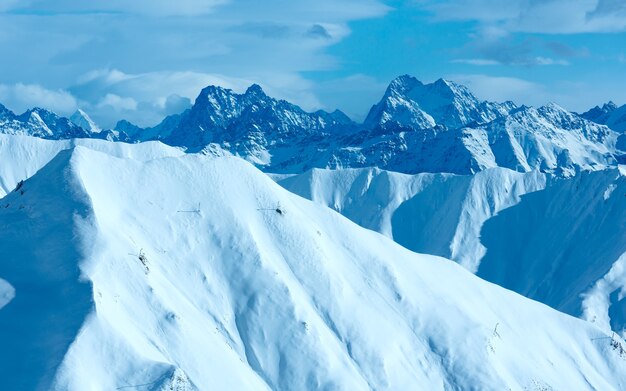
(440, 214)
(194, 272)
(416, 127)
(568, 247)
(410, 104)
(251, 123)
(610, 115)
(39, 123)
(557, 241)
(82, 119)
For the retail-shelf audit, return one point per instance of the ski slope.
(180, 273)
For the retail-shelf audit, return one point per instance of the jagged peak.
(82, 119)
(553, 107)
(255, 90)
(4, 111)
(402, 84)
(215, 90)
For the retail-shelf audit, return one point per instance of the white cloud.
(118, 103)
(550, 61)
(19, 97)
(499, 89)
(145, 7)
(476, 61)
(535, 16)
(576, 96)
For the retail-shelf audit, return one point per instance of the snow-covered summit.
(82, 119)
(412, 104)
(249, 122)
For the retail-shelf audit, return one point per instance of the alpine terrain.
(444, 243)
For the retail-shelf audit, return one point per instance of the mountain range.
(415, 127)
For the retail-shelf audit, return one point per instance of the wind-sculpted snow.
(439, 214)
(22, 156)
(202, 273)
(565, 247)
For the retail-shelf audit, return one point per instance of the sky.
(144, 59)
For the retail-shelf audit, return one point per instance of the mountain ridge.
(415, 127)
(236, 297)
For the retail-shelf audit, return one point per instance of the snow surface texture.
(440, 214)
(202, 273)
(563, 245)
(23, 156)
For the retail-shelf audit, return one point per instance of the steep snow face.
(609, 114)
(82, 119)
(21, 156)
(408, 103)
(200, 272)
(438, 214)
(40, 123)
(565, 247)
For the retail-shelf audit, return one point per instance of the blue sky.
(144, 59)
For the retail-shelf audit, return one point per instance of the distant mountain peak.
(255, 90)
(402, 84)
(609, 106)
(83, 120)
(609, 114)
(4, 112)
(410, 103)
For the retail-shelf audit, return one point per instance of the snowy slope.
(567, 247)
(22, 156)
(137, 288)
(439, 214)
